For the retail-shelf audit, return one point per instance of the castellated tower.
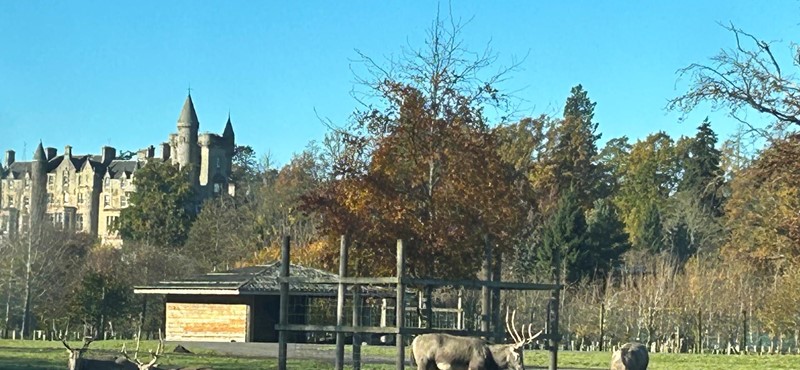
(187, 152)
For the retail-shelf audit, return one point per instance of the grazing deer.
(632, 356)
(78, 362)
(445, 351)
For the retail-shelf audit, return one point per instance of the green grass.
(40, 355)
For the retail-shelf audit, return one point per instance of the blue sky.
(94, 73)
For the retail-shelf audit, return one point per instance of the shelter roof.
(256, 280)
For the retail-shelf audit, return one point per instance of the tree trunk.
(8, 298)
(26, 313)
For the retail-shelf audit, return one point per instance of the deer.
(445, 351)
(631, 356)
(78, 362)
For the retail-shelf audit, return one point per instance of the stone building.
(87, 192)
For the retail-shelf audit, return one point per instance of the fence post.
(340, 304)
(356, 323)
(485, 292)
(744, 332)
(554, 301)
(602, 324)
(400, 306)
(283, 318)
(499, 330)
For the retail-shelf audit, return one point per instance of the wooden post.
(499, 330)
(283, 317)
(400, 306)
(743, 349)
(485, 292)
(602, 324)
(428, 307)
(460, 310)
(356, 323)
(340, 335)
(554, 301)
(699, 348)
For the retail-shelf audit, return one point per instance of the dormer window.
(65, 178)
(51, 179)
(10, 184)
(107, 183)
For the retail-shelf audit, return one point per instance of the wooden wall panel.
(207, 322)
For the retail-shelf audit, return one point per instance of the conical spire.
(188, 116)
(228, 132)
(39, 155)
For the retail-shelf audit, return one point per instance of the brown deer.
(445, 351)
(631, 356)
(78, 362)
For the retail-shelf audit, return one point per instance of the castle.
(86, 193)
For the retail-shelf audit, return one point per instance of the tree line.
(657, 228)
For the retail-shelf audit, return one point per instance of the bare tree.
(750, 75)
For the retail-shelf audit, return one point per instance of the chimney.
(107, 154)
(164, 151)
(151, 151)
(10, 157)
(50, 153)
(68, 151)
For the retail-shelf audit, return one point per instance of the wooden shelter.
(242, 304)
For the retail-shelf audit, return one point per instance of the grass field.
(38, 355)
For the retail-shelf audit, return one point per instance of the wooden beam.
(339, 365)
(400, 306)
(283, 315)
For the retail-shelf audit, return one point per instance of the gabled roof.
(254, 280)
(119, 167)
(17, 170)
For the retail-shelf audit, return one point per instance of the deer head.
(74, 362)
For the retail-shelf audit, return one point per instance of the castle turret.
(38, 186)
(187, 151)
(229, 136)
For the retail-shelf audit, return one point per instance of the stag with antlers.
(78, 362)
(445, 351)
(151, 365)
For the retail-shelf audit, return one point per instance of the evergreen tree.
(162, 207)
(702, 175)
(573, 154)
(607, 238)
(651, 230)
(564, 246)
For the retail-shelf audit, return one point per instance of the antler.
(154, 355)
(520, 340)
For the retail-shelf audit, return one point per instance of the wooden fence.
(490, 306)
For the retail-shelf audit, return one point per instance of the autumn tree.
(419, 161)
(161, 209)
(223, 233)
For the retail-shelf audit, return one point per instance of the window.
(27, 183)
(10, 184)
(111, 222)
(65, 178)
(79, 222)
(123, 201)
(122, 182)
(107, 183)
(80, 180)
(10, 201)
(107, 201)
(217, 188)
(58, 220)
(25, 202)
(51, 179)
(219, 162)
(66, 198)
(80, 197)
(49, 198)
